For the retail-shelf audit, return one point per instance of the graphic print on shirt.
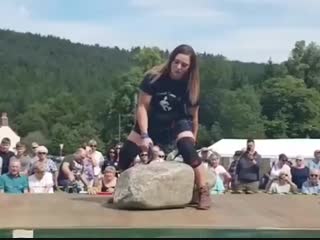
(165, 104)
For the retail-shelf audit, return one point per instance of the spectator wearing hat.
(315, 163)
(204, 154)
(299, 172)
(50, 166)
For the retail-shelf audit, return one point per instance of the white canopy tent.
(269, 148)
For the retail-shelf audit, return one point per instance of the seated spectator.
(1, 161)
(107, 182)
(299, 172)
(157, 155)
(23, 157)
(71, 171)
(218, 188)
(247, 170)
(50, 166)
(41, 181)
(277, 167)
(13, 182)
(312, 185)
(214, 165)
(282, 185)
(315, 163)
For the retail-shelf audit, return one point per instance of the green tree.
(291, 109)
(304, 63)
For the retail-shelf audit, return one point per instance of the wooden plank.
(260, 211)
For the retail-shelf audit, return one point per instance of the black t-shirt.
(170, 99)
(5, 160)
(299, 175)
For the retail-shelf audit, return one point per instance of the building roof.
(269, 148)
(6, 131)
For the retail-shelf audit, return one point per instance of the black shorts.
(165, 135)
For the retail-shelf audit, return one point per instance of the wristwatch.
(144, 135)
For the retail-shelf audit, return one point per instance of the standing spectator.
(118, 148)
(247, 170)
(33, 153)
(299, 172)
(315, 163)
(97, 157)
(111, 159)
(23, 157)
(5, 154)
(88, 166)
(41, 181)
(13, 182)
(233, 166)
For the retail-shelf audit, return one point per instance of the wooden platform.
(237, 212)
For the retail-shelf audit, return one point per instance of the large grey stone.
(155, 186)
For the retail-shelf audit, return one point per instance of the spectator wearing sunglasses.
(277, 168)
(50, 166)
(282, 185)
(97, 157)
(160, 157)
(111, 159)
(312, 185)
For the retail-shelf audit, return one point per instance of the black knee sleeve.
(127, 155)
(187, 150)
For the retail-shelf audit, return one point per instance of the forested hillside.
(57, 92)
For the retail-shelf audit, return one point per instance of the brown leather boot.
(204, 198)
(195, 196)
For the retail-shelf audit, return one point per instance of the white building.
(6, 131)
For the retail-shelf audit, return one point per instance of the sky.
(244, 30)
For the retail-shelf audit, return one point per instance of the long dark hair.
(193, 73)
